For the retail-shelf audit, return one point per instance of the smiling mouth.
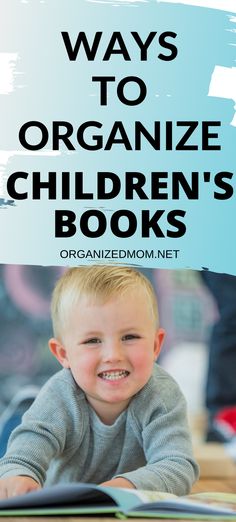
(113, 376)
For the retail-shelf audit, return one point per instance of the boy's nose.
(113, 351)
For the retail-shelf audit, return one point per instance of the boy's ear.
(159, 338)
(59, 352)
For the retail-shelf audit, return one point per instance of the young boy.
(111, 415)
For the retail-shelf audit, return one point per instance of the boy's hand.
(13, 486)
(119, 482)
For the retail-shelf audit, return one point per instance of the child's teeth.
(114, 375)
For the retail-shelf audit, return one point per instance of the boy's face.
(110, 349)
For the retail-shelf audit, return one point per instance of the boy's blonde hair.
(100, 283)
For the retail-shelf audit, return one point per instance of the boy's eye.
(130, 337)
(93, 340)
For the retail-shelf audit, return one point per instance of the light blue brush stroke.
(53, 88)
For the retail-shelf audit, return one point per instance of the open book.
(81, 499)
